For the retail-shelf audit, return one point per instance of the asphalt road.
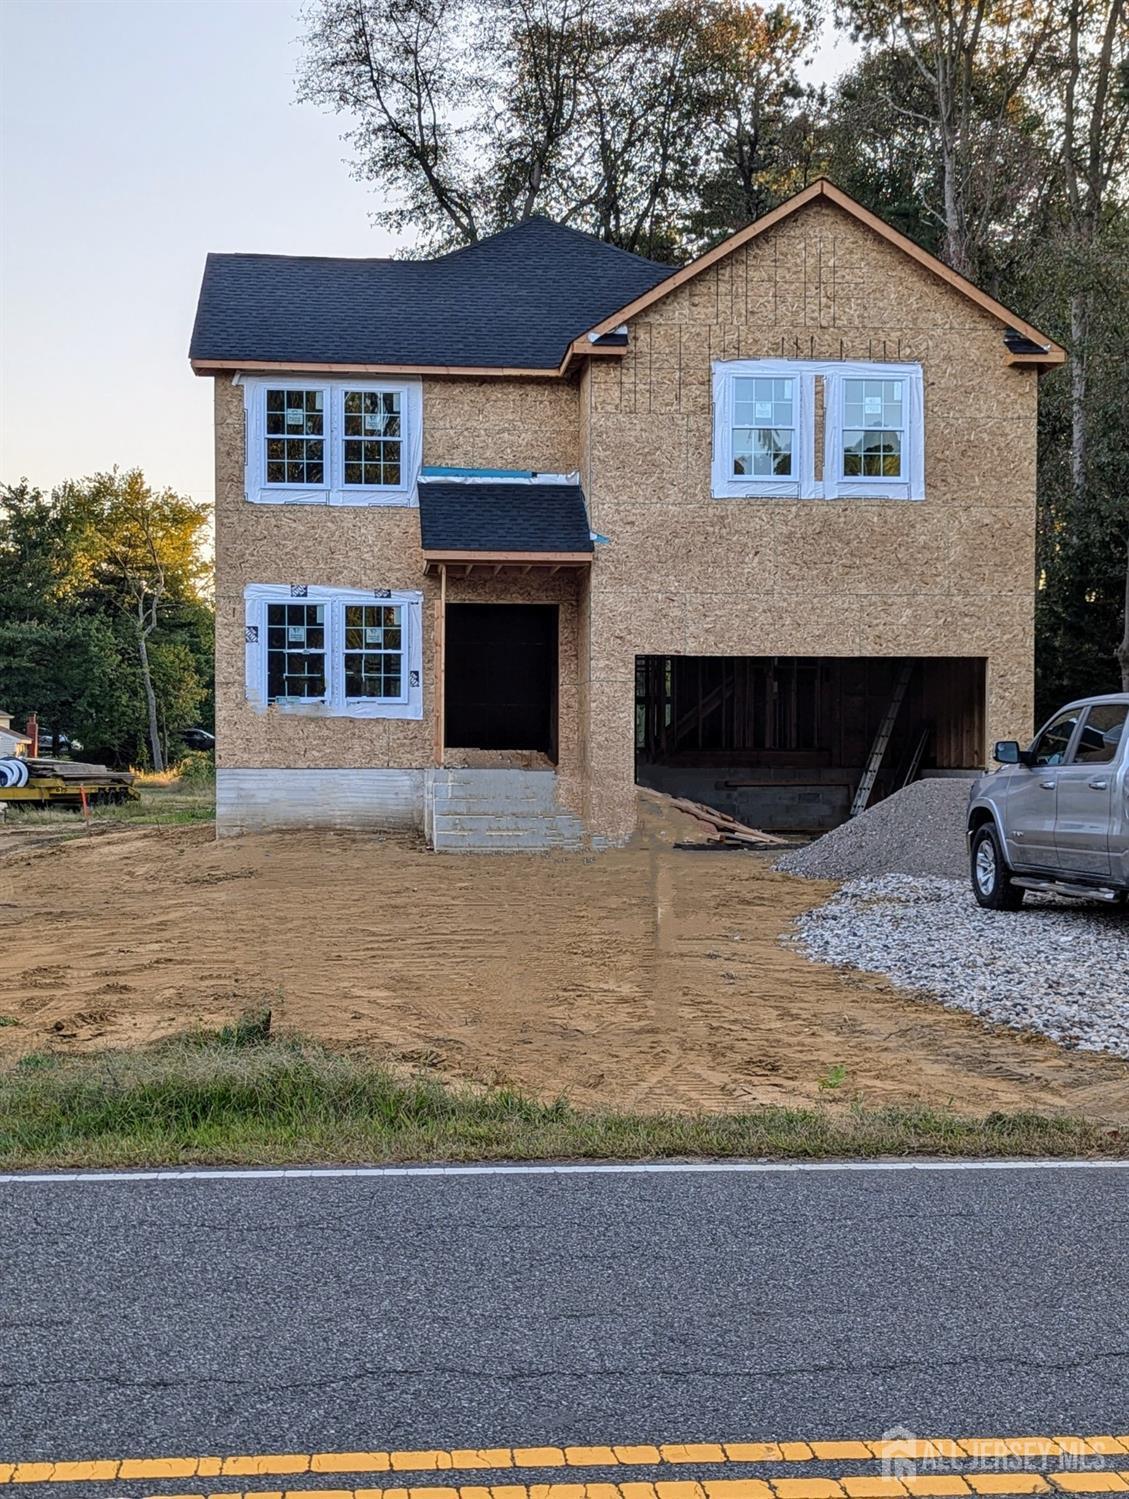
(322, 1313)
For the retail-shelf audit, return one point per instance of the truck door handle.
(1099, 785)
(1047, 785)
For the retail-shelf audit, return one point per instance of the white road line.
(574, 1168)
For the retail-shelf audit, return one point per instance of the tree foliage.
(648, 125)
(83, 572)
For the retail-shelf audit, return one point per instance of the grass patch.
(241, 1096)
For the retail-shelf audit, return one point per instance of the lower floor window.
(334, 651)
(374, 654)
(295, 652)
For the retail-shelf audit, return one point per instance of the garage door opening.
(785, 742)
(501, 677)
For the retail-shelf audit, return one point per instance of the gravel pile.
(1057, 966)
(919, 831)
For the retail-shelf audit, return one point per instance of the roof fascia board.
(1046, 361)
(224, 366)
(574, 558)
(581, 348)
(823, 189)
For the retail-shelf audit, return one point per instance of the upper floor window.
(764, 430)
(338, 443)
(295, 436)
(765, 418)
(873, 429)
(374, 437)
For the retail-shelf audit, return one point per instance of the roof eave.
(1047, 359)
(305, 366)
(434, 558)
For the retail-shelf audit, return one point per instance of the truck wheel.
(991, 878)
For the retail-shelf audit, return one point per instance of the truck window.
(1101, 734)
(1052, 744)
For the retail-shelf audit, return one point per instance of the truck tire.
(991, 878)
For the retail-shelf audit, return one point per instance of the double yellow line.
(499, 1459)
(1073, 1479)
(934, 1486)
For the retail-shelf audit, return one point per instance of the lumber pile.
(64, 783)
(78, 773)
(718, 827)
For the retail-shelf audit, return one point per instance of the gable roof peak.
(824, 188)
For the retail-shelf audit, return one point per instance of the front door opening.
(501, 677)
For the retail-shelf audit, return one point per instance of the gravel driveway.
(1058, 967)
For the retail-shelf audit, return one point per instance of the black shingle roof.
(484, 517)
(516, 299)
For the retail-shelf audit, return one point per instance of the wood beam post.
(441, 664)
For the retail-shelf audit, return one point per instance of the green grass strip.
(241, 1096)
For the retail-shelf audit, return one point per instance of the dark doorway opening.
(783, 741)
(501, 677)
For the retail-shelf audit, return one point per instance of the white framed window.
(872, 438)
(763, 429)
(334, 652)
(295, 651)
(764, 440)
(373, 660)
(340, 442)
(372, 440)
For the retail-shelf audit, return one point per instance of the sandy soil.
(647, 978)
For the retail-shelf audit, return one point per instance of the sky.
(135, 136)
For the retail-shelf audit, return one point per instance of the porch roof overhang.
(495, 562)
(503, 523)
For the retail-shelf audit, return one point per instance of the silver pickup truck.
(1056, 816)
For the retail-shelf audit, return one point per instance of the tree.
(657, 128)
(147, 551)
(975, 60)
(105, 628)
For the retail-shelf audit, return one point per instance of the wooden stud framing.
(440, 665)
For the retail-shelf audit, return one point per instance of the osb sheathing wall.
(512, 424)
(950, 576)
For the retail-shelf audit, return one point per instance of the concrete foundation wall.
(249, 801)
(822, 802)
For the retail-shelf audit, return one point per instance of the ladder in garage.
(881, 741)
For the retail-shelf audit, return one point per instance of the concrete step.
(517, 793)
(484, 810)
(506, 830)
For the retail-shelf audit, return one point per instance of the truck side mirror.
(1007, 752)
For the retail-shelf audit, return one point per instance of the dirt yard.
(648, 978)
